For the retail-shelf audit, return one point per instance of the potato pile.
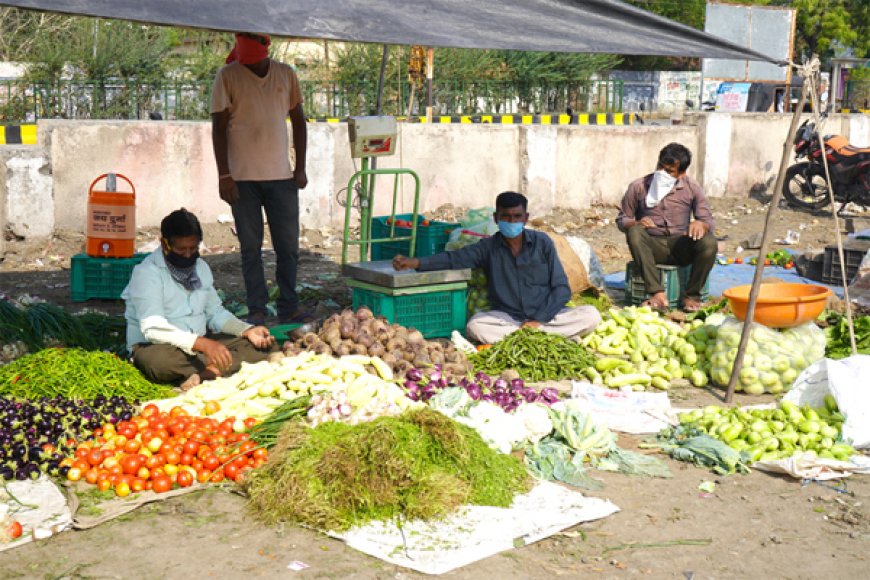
(363, 333)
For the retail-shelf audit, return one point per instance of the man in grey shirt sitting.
(667, 220)
(527, 284)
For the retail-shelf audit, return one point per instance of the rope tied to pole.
(814, 99)
(810, 72)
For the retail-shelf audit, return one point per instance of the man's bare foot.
(191, 382)
(210, 373)
(658, 301)
(691, 305)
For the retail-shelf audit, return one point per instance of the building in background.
(850, 84)
(743, 85)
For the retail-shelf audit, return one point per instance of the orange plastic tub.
(780, 305)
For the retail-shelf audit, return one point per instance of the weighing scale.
(374, 137)
(381, 273)
(432, 302)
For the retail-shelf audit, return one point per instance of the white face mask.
(662, 184)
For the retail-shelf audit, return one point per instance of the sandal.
(691, 305)
(656, 306)
(256, 318)
(298, 317)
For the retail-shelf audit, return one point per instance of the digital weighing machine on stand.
(432, 302)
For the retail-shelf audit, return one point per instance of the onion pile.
(363, 333)
(423, 384)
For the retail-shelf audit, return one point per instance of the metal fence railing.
(22, 101)
(465, 98)
(25, 101)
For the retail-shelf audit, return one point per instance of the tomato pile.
(160, 451)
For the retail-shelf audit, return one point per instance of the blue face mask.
(511, 229)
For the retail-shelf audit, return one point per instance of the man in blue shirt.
(527, 284)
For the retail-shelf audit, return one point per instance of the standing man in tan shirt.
(656, 216)
(251, 99)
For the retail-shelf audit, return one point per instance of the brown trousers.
(647, 251)
(164, 363)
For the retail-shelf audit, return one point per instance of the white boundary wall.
(44, 187)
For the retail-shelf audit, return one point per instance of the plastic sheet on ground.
(116, 507)
(846, 380)
(808, 466)
(724, 277)
(859, 289)
(625, 411)
(477, 532)
(39, 506)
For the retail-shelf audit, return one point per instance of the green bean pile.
(535, 355)
(77, 374)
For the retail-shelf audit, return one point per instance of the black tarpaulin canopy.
(600, 26)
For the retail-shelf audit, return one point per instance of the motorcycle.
(805, 185)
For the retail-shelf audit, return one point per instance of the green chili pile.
(535, 355)
(77, 374)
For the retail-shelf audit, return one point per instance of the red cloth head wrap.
(249, 50)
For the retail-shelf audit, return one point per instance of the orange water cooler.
(111, 219)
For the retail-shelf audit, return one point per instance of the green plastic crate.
(282, 331)
(673, 278)
(102, 278)
(435, 310)
(431, 239)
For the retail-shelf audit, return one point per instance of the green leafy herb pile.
(686, 443)
(591, 297)
(77, 374)
(837, 336)
(419, 465)
(535, 355)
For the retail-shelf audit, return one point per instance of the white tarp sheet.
(625, 411)
(477, 532)
(39, 506)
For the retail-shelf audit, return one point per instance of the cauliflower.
(536, 420)
(452, 401)
(500, 430)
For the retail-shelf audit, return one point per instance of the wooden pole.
(430, 72)
(843, 274)
(762, 251)
(379, 101)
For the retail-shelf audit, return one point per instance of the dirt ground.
(754, 525)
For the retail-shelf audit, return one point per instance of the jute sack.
(578, 279)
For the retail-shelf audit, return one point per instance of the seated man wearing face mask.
(527, 285)
(177, 330)
(656, 216)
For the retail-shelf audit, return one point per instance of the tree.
(467, 80)
(17, 29)
(89, 67)
(689, 12)
(820, 24)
